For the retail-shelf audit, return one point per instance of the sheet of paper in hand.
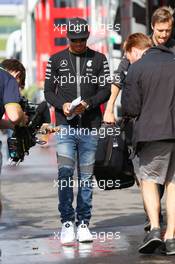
(74, 104)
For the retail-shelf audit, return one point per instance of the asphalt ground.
(30, 225)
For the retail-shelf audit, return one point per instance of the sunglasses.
(77, 40)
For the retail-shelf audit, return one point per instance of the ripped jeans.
(72, 146)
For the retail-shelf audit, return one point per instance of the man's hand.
(109, 117)
(80, 108)
(48, 128)
(66, 109)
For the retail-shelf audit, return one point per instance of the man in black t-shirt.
(162, 25)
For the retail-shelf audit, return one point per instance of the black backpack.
(113, 168)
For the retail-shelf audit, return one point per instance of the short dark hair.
(137, 40)
(13, 65)
(162, 14)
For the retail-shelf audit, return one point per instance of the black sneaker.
(169, 247)
(151, 242)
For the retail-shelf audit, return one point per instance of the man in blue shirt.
(12, 77)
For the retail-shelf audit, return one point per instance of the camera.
(28, 107)
(23, 138)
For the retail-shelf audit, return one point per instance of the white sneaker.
(67, 233)
(84, 234)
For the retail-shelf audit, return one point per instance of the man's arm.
(131, 99)
(11, 99)
(119, 77)
(109, 111)
(15, 114)
(50, 86)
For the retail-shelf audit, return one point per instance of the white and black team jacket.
(69, 76)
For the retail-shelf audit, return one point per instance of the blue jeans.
(72, 145)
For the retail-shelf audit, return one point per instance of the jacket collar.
(159, 48)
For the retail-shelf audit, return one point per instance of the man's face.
(77, 45)
(134, 55)
(162, 32)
